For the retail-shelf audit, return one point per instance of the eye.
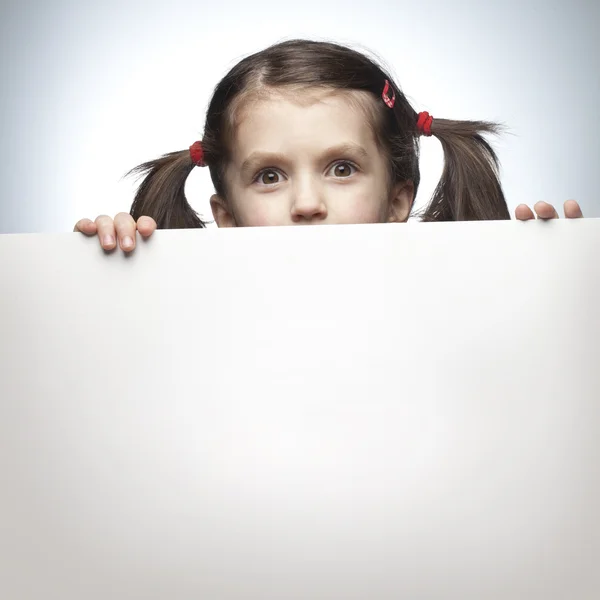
(268, 177)
(343, 169)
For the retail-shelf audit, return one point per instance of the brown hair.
(469, 188)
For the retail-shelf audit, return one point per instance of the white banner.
(342, 412)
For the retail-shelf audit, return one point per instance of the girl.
(310, 133)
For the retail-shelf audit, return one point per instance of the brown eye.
(343, 169)
(269, 177)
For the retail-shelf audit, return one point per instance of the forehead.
(304, 120)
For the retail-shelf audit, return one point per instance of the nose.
(308, 202)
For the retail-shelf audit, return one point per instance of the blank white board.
(344, 412)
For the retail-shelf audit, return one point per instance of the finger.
(106, 232)
(146, 226)
(125, 227)
(524, 213)
(572, 210)
(86, 226)
(545, 211)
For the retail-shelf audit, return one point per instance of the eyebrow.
(256, 159)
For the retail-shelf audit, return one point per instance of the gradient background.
(90, 90)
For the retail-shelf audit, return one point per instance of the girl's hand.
(546, 211)
(122, 229)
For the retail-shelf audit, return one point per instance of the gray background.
(89, 90)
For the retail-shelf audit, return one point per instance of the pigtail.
(469, 189)
(161, 195)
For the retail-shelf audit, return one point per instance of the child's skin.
(326, 169)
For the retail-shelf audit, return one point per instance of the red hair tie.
(424, 123)
(197, 154)
(386, 90)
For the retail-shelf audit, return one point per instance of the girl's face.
(308, 160)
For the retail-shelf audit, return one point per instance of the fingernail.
(109, 240)
(127, 242)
